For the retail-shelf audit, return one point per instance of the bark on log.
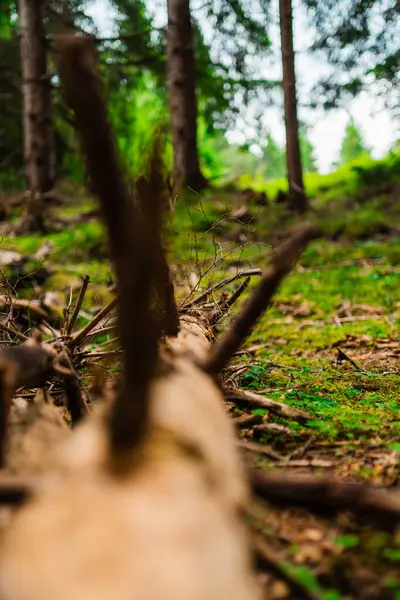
(91, 536)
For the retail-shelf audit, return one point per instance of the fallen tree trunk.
(147, 496)
(152, 480)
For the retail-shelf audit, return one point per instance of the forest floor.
(329, 345)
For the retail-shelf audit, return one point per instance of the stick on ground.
(78, 305)
(247, 398)
(81, 335)
(326, 495)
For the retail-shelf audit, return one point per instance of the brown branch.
(154, 184)
(13, 332)
(343, 356)
(78, 305)
(245, 421)
(281, 265)
(14, 490)
(224, 307)
(217, 286)
(129, 238)
(325, 495)
(76, 403)
(101, 331)
(247, 398)
(81, 335)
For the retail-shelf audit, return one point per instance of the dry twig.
(326, 495)
(244, 397)
(78, 305)
(80, 336)
(217, 286)
(227, 304)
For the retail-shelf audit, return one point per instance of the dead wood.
(13, 332)
(261, 449)
(23, 305)
(224, 306)
(80, 336)
(281, 265)
(246, 421)
(88, 533)
(154, 185)
(75, 400)
(78, 305)
(14, 490)
(325, 495)
(35, 431)
(217, 286)
(28, 365)
(247, 398)
(128, 236)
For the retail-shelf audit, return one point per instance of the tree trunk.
(36, 94)
(182, 94)
(293, 158)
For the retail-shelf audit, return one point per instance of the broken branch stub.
(135, 263)
(281, 265)
(146, 187)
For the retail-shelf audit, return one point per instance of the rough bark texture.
(293, 158)
(36, 93)
(182, 94)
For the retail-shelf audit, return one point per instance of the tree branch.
(281, 265)
(325, 495)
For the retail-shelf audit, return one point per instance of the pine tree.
(353, 145)
(274, 160)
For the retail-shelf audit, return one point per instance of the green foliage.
(307, 152)
(353, 145)
(274, 160)
(359, 38)
(347, 541)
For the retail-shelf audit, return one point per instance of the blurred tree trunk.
(182, 95)
(293, 158)
(36, 95)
